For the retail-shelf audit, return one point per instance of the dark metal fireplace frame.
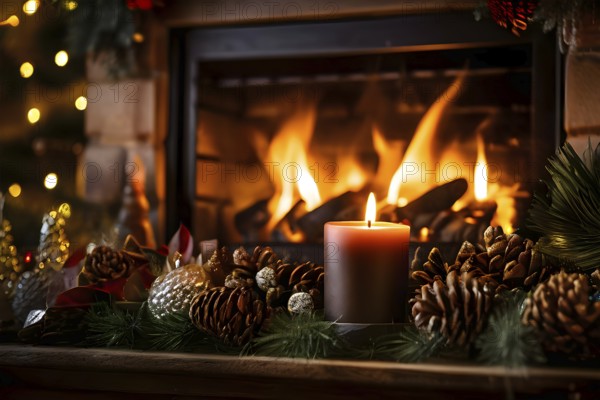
(407, 33)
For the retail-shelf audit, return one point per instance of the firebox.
(276, 129)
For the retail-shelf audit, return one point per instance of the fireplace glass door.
(277, 129)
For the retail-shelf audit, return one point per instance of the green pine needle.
(109, 327)
(175, 332)
(410, 345)
(569, 215)
(305, 335)
(506, 341)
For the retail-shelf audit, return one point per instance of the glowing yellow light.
(138, 37)
(50, 181)
(71, 5)
(65, 210)
(31, 6)
(13, 21)
(26, 69)
(15, 190)
(33, 115)
(61, 58)
(481, 184)
(81, 103)
(371, 211)
(424, 234)
(402, 201)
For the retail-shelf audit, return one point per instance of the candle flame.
(371, 212)
(481, 185)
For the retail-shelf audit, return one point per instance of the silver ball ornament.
(300, 303)
(266, 278)
(173, 292)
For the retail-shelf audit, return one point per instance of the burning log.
(468, 223)
(428, 205)
(343, 207)
(250, 221)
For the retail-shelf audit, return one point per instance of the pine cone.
(105, 263)
(564, 316)
(455, 308)
(232, 315)
(306, 277)
(509, 259)
(246, 266)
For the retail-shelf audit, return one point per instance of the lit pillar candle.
(366, 270)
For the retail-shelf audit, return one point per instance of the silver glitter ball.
(266, 278)
(173, 292)
(301, 303)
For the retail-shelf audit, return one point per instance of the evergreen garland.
(506, 341)
(109, 327)
(569, 215)
(304, 335)
(410, 345)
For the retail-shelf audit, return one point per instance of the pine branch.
(410, 345)
(506, 341)
(569, 215)
(109, 327)
(176, 332)
(301, 336)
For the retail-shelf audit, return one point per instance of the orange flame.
(421, 151)
(287, 156)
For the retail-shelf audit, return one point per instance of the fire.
(421, 151)
(291, 175)
(298, 174)
(371, 211)
(481, 180)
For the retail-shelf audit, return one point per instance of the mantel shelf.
(153, 374)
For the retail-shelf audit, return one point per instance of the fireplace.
(277, 128)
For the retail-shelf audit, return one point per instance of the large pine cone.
(564, 316)
(104, 264)
(232, 315)
(509, 259)
(456, 308)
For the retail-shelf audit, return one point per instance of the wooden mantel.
(69, 373)
(181, 13)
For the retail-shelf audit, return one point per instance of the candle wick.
(369, 223)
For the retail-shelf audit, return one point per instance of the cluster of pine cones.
(454, 300)
(257, 285)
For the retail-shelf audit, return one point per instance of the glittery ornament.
(173, 292)
(31, 292)
(300, 303)
(266, 278)
(9, 260)
(53, 249)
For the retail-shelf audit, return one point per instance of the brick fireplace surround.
(57, 373)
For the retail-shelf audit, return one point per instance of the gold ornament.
(53, 249)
